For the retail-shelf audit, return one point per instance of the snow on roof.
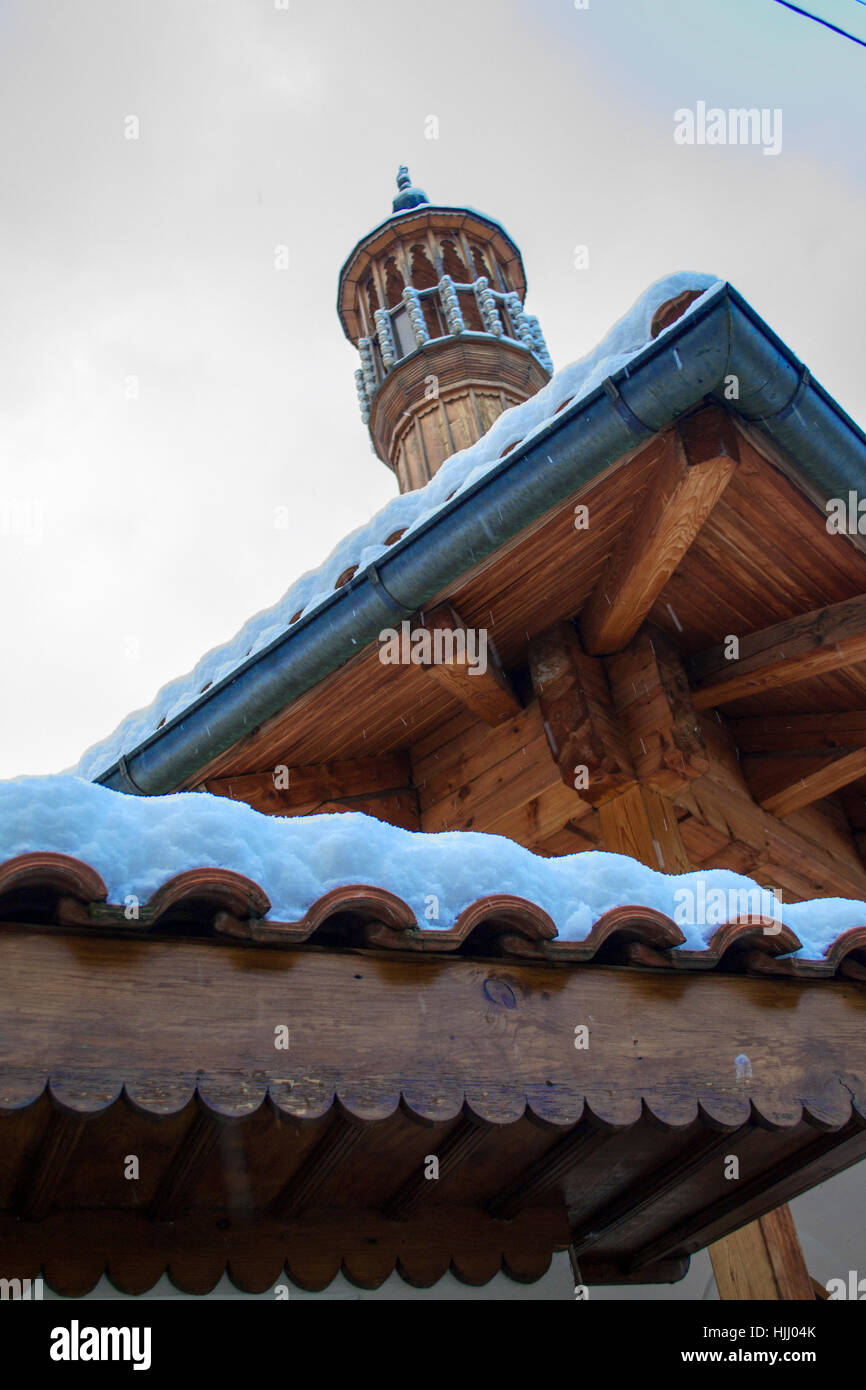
(137, 844)
(405, 513)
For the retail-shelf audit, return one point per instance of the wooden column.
(763, 1260)
(631, 723)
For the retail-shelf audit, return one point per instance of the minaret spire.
(408, 197)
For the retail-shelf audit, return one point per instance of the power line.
(827, 25)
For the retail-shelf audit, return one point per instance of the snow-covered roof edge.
(137, 844)
(406, 513)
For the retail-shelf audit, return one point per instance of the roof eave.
(721, 347)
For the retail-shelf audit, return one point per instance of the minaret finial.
(408, 197)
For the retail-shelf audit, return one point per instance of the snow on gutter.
(621, 398)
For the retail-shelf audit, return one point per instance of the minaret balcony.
(427, 318)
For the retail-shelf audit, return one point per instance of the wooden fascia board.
(351, 1019)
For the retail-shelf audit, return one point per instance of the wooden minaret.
(433, 300)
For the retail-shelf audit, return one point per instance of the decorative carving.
(412, 300)
(386, 338)
(487, 308)
(451, 305)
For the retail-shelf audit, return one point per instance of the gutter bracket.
(385, 595)
(802, 387)
(635, 424)
(127, 781)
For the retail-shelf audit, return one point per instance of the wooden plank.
(586, 739)
(483, 688)
(651, 694)
(809, 645)
(698, 463)
(300, 789)
(483, 783)
(785, 785)
(763, 1260)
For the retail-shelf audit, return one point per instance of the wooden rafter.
(487, 692)
(784, 785)
(182, 1176)
(47, 1169)
(699, 461)
(809, 645)
(285, 790)
(801, 733)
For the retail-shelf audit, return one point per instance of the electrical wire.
(825, 22)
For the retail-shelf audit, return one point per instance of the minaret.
(433, 300)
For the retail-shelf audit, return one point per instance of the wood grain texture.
(585, 735)
(682, 492)
(651, 695)
(763, 1261)
(486, 692)
(811, 644)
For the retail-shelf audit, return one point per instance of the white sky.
(137, 533)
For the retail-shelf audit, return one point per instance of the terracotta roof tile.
(56, 890)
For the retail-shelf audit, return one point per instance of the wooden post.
(763, 1260)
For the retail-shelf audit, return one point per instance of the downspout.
(718, 342)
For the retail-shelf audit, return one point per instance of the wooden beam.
(651, 694)
(790, 1177)
(342, 1135)
(585, 736)
(396, 808)
(283, 789)
(487, 691)
(466, 1136)
(47, 1169)
(763, 1260)
(547, 1171)
(785, 785)
(481, 783)
(809, 645)
(698, 463)
(705, 1149)
(180, 1180)
(801, 733)
(720, 819)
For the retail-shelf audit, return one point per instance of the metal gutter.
(719, 341)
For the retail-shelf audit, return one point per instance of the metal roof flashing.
(719, 346)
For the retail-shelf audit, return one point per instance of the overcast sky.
(164, 388)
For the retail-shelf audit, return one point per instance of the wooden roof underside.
(763, 556)
(311, 1159)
